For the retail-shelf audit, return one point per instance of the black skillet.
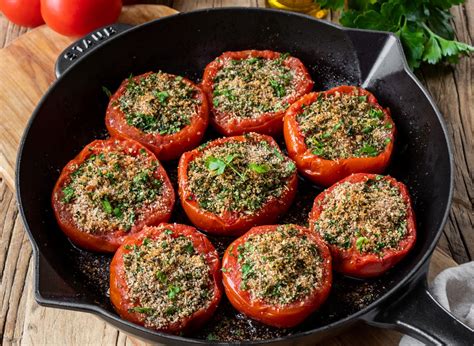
(71, 114)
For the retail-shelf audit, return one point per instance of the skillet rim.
(114, 319)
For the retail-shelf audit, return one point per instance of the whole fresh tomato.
(79, 17)
(22, 12)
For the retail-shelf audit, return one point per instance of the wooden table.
(23, 321)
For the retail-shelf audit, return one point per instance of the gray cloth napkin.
(453, 288)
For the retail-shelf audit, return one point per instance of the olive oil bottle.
(302, 6)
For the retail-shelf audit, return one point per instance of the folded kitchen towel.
(453, 288)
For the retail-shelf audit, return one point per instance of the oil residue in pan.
(348, 295)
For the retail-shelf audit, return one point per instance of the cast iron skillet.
(71, 115)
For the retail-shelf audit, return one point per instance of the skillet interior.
(72, 115)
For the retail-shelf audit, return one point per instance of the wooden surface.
(23, 321)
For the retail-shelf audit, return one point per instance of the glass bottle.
(302, 6)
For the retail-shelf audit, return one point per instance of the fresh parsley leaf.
(189, 248)
(142, 310)
(360, 242)
(106, 206)
(260, 169)
(424, 27)
(215, 165)
(173, 291)
(368, 149)
(278, 88)
(162, 96)
(68, 194)
(160, 276)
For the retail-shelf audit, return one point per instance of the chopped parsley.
(249, 87)
(238, 176)
(280, 266)
(159, 103)
(369, 215)
(101, 196)
(341, 126)
(171, 282)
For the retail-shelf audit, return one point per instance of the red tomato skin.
(351, 262)
(118, 284)
(326, 172)
(269, 123)
(281, 317)
(165, 147)
(111, 241)
(231, 224)
(22, 12)
(79, 17)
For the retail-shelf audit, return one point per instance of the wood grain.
(23, 321)
(452, 89)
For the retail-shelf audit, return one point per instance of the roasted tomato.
(250, 90)
(171, 296)
(231, 184)
(168, 114)
(277, 275)
(334, 133)
(112, 188)
(367, 220)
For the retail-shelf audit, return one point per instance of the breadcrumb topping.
(341, 126)
(167, 279)
(370, 216)
(239, 176)
(159, 103)
(112, 191)
(247, 88)
(281, 266)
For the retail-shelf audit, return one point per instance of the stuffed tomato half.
(368, 222)
(168, 114)
(231, 184)
(166, 278)
(113, 188)
(335, 133)
(249, 91)
(277, 275)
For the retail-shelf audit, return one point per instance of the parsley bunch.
(424, 26)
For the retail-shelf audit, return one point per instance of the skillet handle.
(419, 315)
(86, 44)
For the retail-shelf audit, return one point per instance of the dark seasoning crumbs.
(112, 190)
(159, 103)
(341, 126)
(220, 178)
(249, 87)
